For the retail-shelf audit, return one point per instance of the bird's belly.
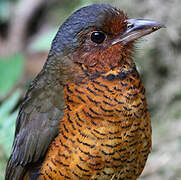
(98, 154)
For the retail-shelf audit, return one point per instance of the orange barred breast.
(104, 134)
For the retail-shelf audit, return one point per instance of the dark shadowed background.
(27, 28)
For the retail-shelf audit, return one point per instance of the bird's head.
(99, 38)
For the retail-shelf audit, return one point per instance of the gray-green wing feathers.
(37, 125)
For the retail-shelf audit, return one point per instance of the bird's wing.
(36, 126)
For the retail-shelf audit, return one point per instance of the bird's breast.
(105, 132)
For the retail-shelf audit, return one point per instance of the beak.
(137, 28)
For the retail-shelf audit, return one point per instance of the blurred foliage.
(10, 71)
(7, 124)
(42, 43)
(5, 9)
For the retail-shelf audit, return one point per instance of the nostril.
(155, 28)
(130, 25)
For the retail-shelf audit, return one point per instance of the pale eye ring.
(97, 37)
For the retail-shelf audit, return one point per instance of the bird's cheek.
(90, 61)
(75, 57)
(87, 58)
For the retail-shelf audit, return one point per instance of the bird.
(85, 115)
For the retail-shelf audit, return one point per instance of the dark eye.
(98, 37)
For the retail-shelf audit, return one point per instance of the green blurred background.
(27, 28)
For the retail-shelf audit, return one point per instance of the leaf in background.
(10, 71)
(43, 42)
(7, 128)
(4, 10)
(7, 121)
(84, 3)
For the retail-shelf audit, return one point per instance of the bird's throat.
(115, 96)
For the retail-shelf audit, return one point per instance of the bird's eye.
(98, 37)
